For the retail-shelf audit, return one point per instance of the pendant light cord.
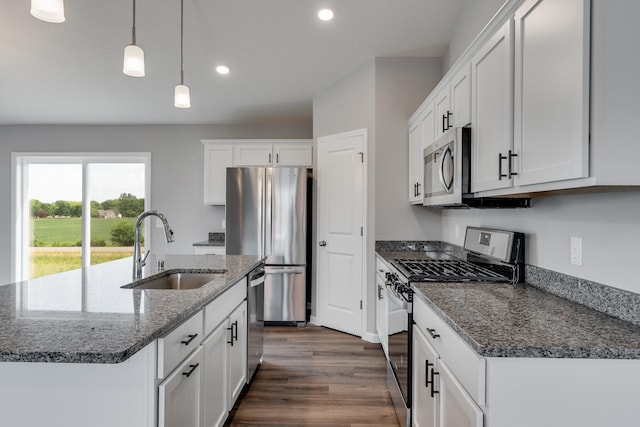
(133, 28)
(181, 42)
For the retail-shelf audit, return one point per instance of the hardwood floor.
(315, 376)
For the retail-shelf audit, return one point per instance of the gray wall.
(381, 96)
(475, 15)
(176, 170)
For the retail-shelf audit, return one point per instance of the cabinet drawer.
(467, 366)
(381, 267)
(218, 309)
(173, 348)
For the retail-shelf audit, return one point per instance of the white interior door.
(340, 177)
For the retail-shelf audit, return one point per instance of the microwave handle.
(442, 180)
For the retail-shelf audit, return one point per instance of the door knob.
(322, 243)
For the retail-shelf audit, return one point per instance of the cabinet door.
(492, 112)
(425, 400)
(215, 356)
(461, 97)
(252, 155)
(415, 164)
(443, 111)
(381, 314)
(217, 158)
(552, 90)
(456, 408)
(237, 342)
(179, 396)
(293, 155)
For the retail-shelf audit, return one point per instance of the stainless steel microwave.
(447, 175)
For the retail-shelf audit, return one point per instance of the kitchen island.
(81, 350)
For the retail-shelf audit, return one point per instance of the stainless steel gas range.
(490, 256)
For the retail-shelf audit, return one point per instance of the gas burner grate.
(447, 270)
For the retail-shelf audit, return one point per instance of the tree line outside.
(127, 205)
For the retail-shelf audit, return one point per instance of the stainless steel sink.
(177, 280)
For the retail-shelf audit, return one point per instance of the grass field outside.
(58, 242)
(66, 232)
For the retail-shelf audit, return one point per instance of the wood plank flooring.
(314, 376)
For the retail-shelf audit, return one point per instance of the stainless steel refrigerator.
(266, 215)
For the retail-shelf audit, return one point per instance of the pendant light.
(133, 55)
(48, 10)
(182, 97)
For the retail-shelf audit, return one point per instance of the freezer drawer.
(285, 294)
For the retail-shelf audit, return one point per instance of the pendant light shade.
(133, 61)
(182, 97)
(48, 10)
(133, 55)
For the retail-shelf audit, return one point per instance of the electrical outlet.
(224, 224)
(576, 251)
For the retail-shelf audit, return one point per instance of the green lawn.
(68, 231)
(45, 262)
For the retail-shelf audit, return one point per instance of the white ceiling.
(280, 55)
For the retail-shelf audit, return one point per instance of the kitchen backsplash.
(615, 302)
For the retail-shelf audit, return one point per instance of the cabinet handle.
(433, 384)
(193, 368)
(444, 123)
(432, 332)
(191, 337)
(449, 114)
(511, 156)
(426, 374)
(234, 333)
(277, 157)
(269, 157)
(379, 292)
(231, 330)
(418, 189)
(500, 159)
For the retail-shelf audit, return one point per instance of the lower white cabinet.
(179, 395)
(209, 250)
(425, 408)
(381, 314)
(456, 408)
(216, 356)
(237, 352)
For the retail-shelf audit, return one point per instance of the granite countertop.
(504, 320)
(215, 239)
(86, 317)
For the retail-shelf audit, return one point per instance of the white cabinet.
(421, 135)
(461, 97)
(442, 105)
(217, 158)
(209, 250)
(456, 408)
(219, 154)
(237, 352)
(215, 389)
(179, 397)
(492, 112)
(551, 90)
(425, 404)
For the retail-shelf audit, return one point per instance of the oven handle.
(399, 301)
(448, 187)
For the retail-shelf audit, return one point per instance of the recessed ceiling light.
(325, 14)
(222, 69)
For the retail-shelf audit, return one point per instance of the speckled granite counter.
(503, 320)
(85, 317)
(215, 239)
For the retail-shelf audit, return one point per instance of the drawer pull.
(234, 332)
(432, 332)
(191, 337)
(193, 368)
(433, 384)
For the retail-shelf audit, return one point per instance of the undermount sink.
(177, 280)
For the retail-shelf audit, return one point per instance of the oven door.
(398, 340)
(443, 171)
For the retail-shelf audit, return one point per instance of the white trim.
(19, 206)
(370, 337)
(313, 320)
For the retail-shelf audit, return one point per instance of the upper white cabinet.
(442, 104)
(422, 132)
(492, 112)
(220, 154)
(461, 97)
(552, 90)
(217, 158)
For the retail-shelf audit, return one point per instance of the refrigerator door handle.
(268, 210)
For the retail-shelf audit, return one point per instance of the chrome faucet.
(138, 261)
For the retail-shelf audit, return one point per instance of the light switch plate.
(576, 251)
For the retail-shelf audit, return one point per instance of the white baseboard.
(313, 320)
(370, 337)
